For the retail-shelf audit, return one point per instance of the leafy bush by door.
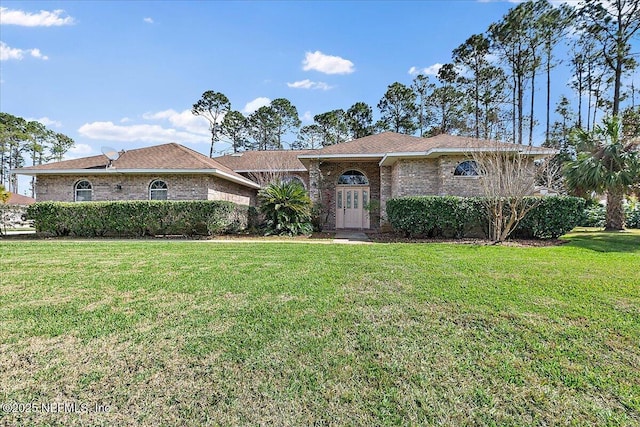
(287, 208)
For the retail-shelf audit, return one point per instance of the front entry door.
(350, 207)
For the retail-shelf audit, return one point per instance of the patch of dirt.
(391, 237)
(242, 236)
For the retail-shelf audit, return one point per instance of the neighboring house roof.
(20, 200)
(165, 158)
(265, 161)
(390, 146)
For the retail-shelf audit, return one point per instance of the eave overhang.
(390, 158)
(117, 171)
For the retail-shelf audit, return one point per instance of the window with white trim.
(353, 177)
(83, 191)
(158, 190)
(466, 168)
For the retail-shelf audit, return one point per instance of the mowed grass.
(201, 333)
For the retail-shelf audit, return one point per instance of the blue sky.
(125, 74)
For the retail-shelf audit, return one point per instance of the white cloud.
(81, 149)
(48, 122)
(327, 64)
(148, 20)
(44, 18)
(108, 131)
(7, 53)
(184, 120)
(431, 70)
(37, 54)
(255, 104)
(183, 127)
(307, 117)
(308, 84)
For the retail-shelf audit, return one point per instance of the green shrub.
(448, 216)
(593, 216)
(552, 217)
(430, 216)
(632, 214)
(138, 218)
(287, 208)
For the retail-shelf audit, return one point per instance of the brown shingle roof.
(386, 142)
(444, 141)
(262, 161)
(167, 157)
(20, 200)
(391, 142)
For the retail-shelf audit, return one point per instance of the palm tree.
(606, 163)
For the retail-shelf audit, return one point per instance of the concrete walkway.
(351, 237)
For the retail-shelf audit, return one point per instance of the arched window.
(83, 191)
(293, 178)
(158, 190)
(466, 168)
(353, 177)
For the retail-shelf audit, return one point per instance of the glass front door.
(351, 203)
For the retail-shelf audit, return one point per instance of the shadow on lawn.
(605, 241)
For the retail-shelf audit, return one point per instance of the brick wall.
(136, 187)
(463, 186)
(386, 191)
(416, 177)
(426, 177)
(330, 172)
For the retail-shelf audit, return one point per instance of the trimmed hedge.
(595, 215)
(552, 218)
(632, 214)
(434, 216)
(138, 218)
(449, 216)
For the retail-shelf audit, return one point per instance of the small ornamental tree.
(287, 208)
(506, 179)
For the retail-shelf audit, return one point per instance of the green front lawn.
(197, 333)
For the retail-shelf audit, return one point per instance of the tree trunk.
(533, 92)
(2, 162)
(520, 109)
(477, 100)
(615, 210)
(580, 90)
(589, 93)
(616, 88)
(513, 111)
(595, 107)
(548, 119)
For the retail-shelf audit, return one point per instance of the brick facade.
(136, 187)
(406, 177)
(324, 190)
(432, 177)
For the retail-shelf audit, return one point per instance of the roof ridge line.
(195, 155)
